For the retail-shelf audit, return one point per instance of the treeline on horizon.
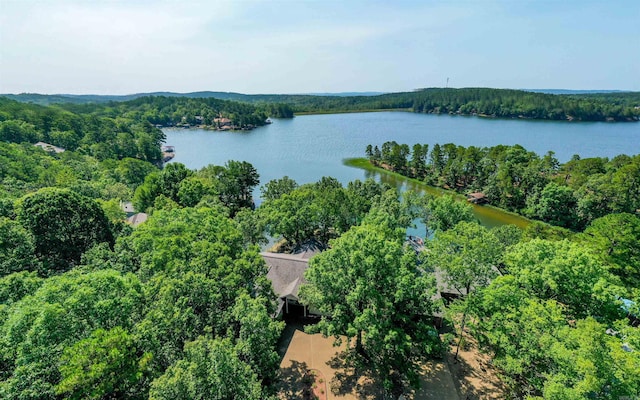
(499, 103)
(569, 195)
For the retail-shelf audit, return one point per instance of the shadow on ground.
(350, 377)
(291, 378)
(474, 376)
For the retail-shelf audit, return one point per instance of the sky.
(304, 46)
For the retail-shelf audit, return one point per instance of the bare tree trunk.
(464, 319)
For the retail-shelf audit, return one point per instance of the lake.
(309, 147)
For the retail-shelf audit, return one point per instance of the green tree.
(192, 190)
(567, 272)
(257, 335)
(445, 212)
(617, 238)
(17, 248)
(466, 254)
(368, 287)
(106, 364)
(65, 309)
(15, 286)
(275, 188)
(236, 182)
(589, 363)
(133, 171)
(556, 205)
(64, 225)
(252, 225)
(211, 370)
(171, 178)
(519, 330)
(467, 257)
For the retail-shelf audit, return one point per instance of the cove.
(306, 148)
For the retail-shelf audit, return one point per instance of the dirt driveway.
(303, 352)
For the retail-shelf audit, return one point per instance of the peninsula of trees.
(569, 195)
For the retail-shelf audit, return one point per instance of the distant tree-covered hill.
(128, 129)
(500, 103)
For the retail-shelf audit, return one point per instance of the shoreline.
(476, 115)
(302, 113)
(487, 210)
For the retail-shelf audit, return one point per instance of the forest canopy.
(501, 103)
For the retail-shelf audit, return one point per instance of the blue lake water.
(306, 148)
(309, 147)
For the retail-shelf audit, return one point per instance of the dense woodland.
(92, 308)
(569, 195)
(500, 103)
(172, 111)
(121, 130)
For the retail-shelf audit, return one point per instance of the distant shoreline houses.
(217, 124)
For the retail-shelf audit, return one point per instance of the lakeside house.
(168, 152)
(286, 273)
(50, 148)
(222, 123)
(477, 198)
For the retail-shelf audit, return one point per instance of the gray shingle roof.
(286, 272)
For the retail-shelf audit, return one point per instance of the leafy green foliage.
(556, 205)
(257, 335)
(17, 248)
(236, 183)
(617, 238)
(592, 364)
(103, 365)
(445, 212)
(64, 309)
(211, 370)
(100, 136)
(546, 321)
(467, 254)
(177, 186)
(15, 286)
(566, 272)
(274, 189)
(64, 225)
(368, 287)
(196, 268)
(519, 330)
(320, 211)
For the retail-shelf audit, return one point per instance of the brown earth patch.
(474, 375)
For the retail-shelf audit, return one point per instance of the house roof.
(286, 272)
(137, 219)
(49, 147)
(127, 207)
(476, 195)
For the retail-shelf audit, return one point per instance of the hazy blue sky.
(118, 47)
